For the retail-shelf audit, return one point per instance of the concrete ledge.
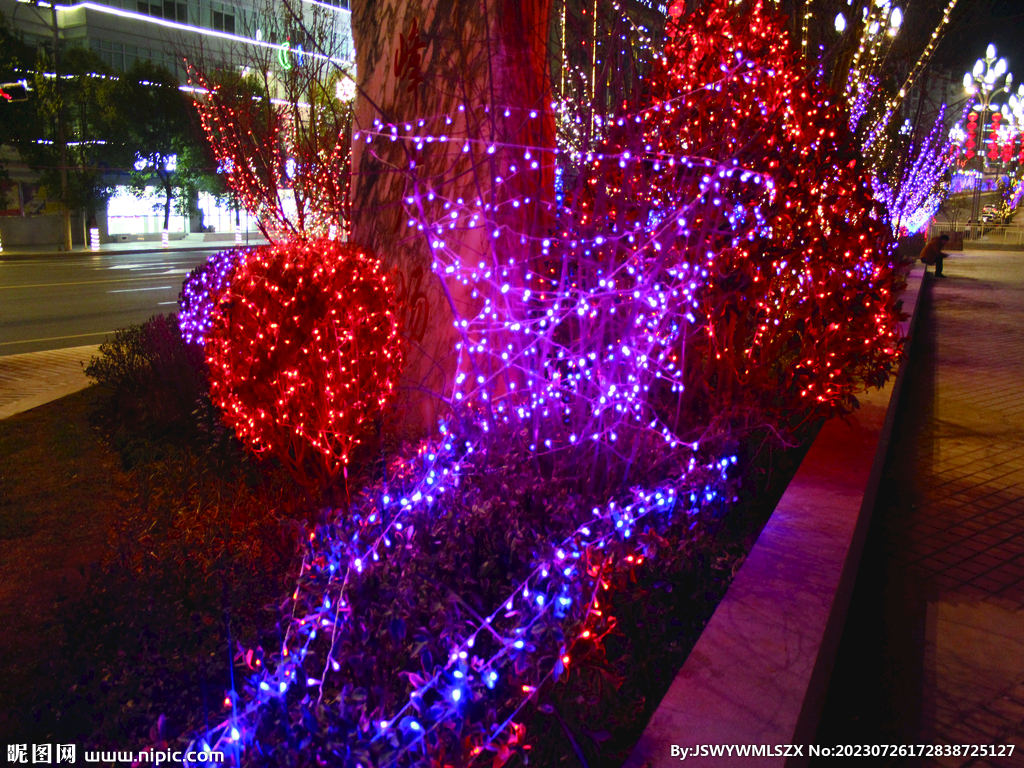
(759, 672)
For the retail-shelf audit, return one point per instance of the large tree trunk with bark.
(453, 65)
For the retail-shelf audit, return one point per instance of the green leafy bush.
(155, 380)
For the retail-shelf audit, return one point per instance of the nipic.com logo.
(41, 753)
(52, 754)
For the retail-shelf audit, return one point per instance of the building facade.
(164, 32)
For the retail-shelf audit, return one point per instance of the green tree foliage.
(85, 93)
(156, 120)
(17, 118)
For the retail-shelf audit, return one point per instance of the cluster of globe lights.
(989, 79)
(982, 81)
(569, 334)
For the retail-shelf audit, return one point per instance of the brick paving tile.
(970, 566)
(1013, 569)
(947, 582)
(974, 546)
(990, 728)
(946, 557)
(989, 538)
(972, 591)
(952, 535)
(959, 552)
(975, 496)
(1002, 577)
(1010, 710)
(988, 559)
(988, 585)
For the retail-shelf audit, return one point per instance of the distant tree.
(154, 120)
(954, 206)
(94, 153)
(18, 119)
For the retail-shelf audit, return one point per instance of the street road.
(69, 301)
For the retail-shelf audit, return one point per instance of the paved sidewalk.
(934, 647)
(965, 538)
(35, 378)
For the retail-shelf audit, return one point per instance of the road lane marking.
(136, 290)
(56, 338)
(81, 282)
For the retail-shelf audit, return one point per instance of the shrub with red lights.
(304, 350)
(744, 181)
(287, 168)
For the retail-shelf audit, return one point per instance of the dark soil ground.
(58, 486)
(113, 612)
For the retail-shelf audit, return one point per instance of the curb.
(211, 246)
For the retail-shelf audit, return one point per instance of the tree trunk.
(488, 52)
(168, 195)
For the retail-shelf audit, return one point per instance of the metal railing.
(992, 233)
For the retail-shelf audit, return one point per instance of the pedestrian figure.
(932, 253)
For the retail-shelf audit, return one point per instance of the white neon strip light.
(328, 6)
(189, 28)
(278, 102)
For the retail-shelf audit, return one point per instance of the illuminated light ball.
(345, 89)
(200, 290)
(304, 352)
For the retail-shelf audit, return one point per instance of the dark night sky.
(975, 24)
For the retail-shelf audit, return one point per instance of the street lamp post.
(983, 83)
